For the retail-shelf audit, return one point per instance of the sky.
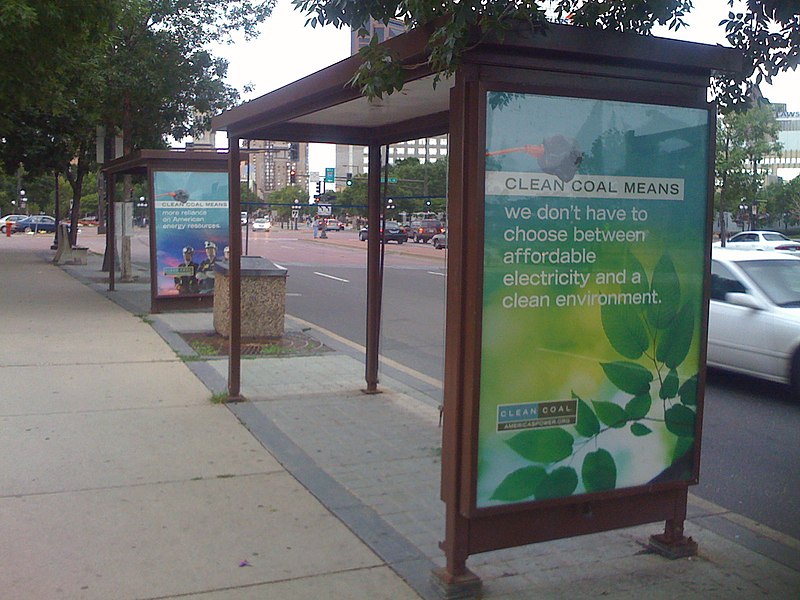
(287, 50)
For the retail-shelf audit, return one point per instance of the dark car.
(423, 230)
(36, 223)
(392, 232)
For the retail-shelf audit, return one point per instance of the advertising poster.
(191, 228)
(594, 254)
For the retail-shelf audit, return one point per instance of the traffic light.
(319, 190)
(292, 176)
(349, 179)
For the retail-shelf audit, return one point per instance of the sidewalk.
(122, 480)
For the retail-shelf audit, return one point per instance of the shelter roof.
(324, 107)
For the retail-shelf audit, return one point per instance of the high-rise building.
(788, 162)
(354, 159)
(276, 165)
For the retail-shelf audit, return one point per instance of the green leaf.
(669, 389)
(587, 424)
(520, 484)
(638, 406)
(558, 484)
(682, 446)
(635, 270)
(628, 377)
(599, 471)
(639, 430)
(688, 391)
(673, 345)
(610, 414)
(667, 288)
(542, 445)
(680, 420)
(624, 329)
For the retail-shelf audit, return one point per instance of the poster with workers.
(594, 253)
(191, 229)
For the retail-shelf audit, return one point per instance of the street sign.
(330, 175)
(324, 210)
(391, 179)
(295, 213)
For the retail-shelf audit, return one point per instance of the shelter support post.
(673, 543)
(235, 283)
(374, 274)
(455, 580)
(111, 245)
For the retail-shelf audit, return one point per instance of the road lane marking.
(331, 277)
(439, 274)
(432, 381)
(279, 266)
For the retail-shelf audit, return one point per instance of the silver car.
(754, 315)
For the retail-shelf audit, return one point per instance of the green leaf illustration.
(610, 414)
(669, 389)
(680, 420)
(625, 329)
(520, 484)
(559, 483)
(682, 446)
(587, 424)
(638, 406)
(542, 445)
(639, 430)
(666, 286)
(599, 471)
(637, 277)
(628, 377)
(688, 391)
(673, 345)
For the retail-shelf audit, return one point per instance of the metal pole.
(234, 272)
(373, 268)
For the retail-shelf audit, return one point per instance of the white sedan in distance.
(754, 315)
(762, 240)
(261, 224)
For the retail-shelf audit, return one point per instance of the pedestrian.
(315, 228)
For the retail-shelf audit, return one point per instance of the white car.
(754, 315)
(762, 240)
(261, 224)
(9, 220)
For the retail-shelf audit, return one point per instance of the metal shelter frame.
(323, 107)
(145, 162)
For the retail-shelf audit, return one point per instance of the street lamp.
(22, 201)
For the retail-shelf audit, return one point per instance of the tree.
(768, 32)
(283, 200)
(743, 140)
(138, 67)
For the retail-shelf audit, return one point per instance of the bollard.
(9, 227)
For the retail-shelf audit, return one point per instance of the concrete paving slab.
(176, 539)
(42, 454)
(90, 387)
(376, 583)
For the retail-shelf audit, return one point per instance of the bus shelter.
(579, 211)
(187, 212)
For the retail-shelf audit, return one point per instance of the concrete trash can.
(263, 298)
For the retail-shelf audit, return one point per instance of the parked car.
(9, 220)
(439, 241)
(392, 232)
(36, 224)
(762, 240)
(424, 230)
(261, 224)
(333, 225)
(754, 315)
